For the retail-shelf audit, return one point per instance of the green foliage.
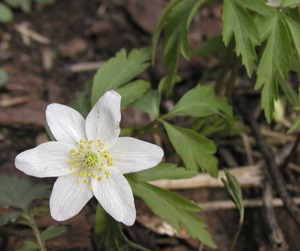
(29, 246)
(236, 21)
(53, 231)
(133, 91)
(112, 232)
(119, 70)
(196, 150)
(234, 190)
(235, 194)
(294, 29)
(26, 5)
(275, 61)
(6, 16)
(3, 74)
(149, 103)
(164, 171)
(212, 46)
(10, 217)
(82, 101)
(175, 21)
(289, 3)
(172, 208)
(295, 125)
(202, 101)
(20, 192)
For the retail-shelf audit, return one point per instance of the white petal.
(65, 123)
(133, 155)
(68, 197)
(46, 160)
(102, 123)
(115, 196)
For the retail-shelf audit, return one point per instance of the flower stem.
(237, 233)
(36, 231)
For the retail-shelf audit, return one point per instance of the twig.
(249, 203)
(249, 176)
(276, 236)
(17, 100)
(88, 66)
(272, 166)
(25, 31)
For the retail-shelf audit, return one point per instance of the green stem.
(236, 236)
(36, 231)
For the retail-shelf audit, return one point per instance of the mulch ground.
(42, 72)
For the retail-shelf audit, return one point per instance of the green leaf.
(53, 231)
(6, 16)
(82, 101)
(196, 150)
(10, 217)
(175, 20)
(294, 29)
(112, 232)
(258, 6)
(25, 5)
(235, 194)
(118, 71)
(20, 192)
(149, 103)
(3, 74)
(275, 62)
(234, 190)
(202, 101)
(295, 125)
(174, 209)
(164, 171)
(289, 3)
(29, 246)
(237, 22)
(133, 91)
(45, 2)
(210, 47)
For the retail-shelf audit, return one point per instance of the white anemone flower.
(89, 158)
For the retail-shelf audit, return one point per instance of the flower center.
(89, 161)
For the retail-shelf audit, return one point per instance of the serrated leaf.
(6, 15)
(164, 171)
(258, 6)
(20, 192)
(119, 70)
(175, 20)
(133, 91)
(236, 21)
(10, 217)
(294, 29)
(53, 231)
(200, 102)
(295, 125)
(174, 209)
(195, 150)
(149, 103)
(275, 62)
(29, 246)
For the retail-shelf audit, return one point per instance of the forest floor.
(51, 68)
